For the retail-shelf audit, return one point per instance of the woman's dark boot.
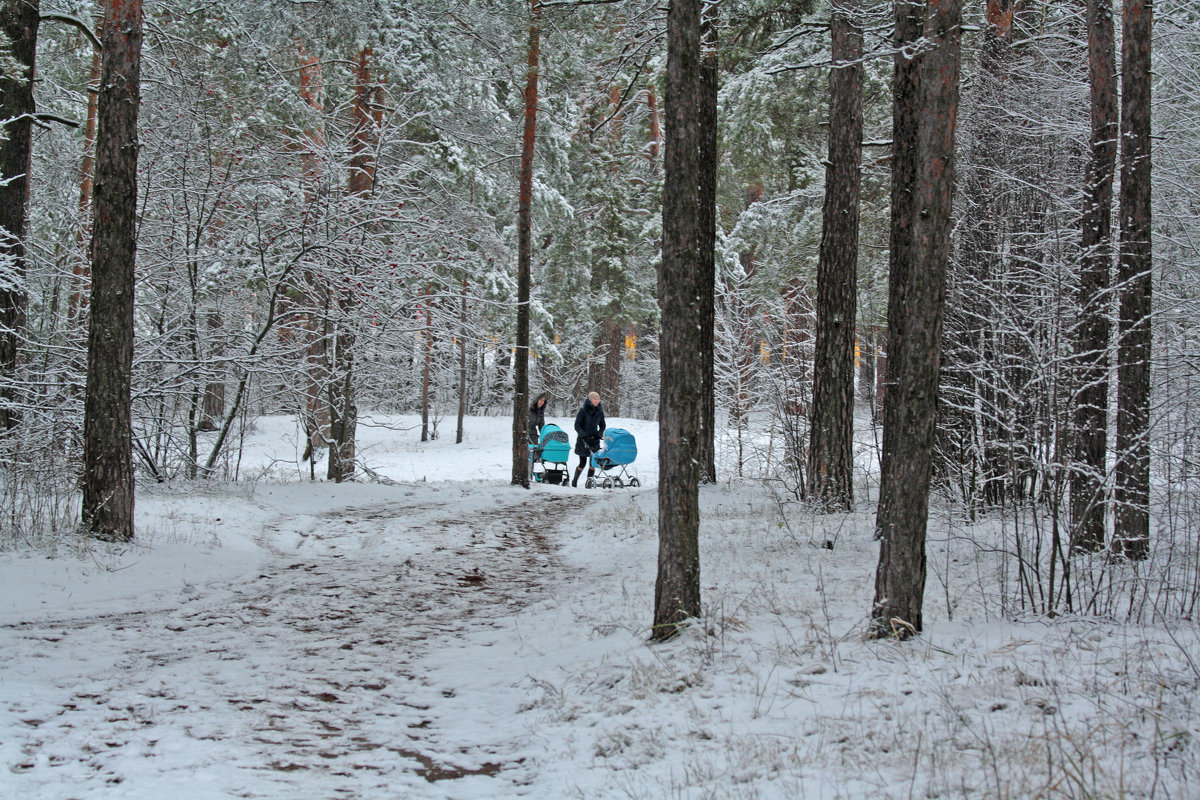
(575, 480)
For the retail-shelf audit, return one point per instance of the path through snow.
(337, 655)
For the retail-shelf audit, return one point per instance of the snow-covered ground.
(437, 633)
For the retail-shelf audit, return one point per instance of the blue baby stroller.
(617, 452)
(550, 455)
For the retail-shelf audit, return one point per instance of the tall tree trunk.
(1094, 328)
(604, 370)
(427, 365)
(214, 388)
(107, 425)
(706, 280)
(916, 296)
(520, 443)
(1132, 530)
(462, 364)
(831, 441)
(19, 23)
(81, 269)
(343, 410)
(677, 590)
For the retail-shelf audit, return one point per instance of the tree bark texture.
(831, 439)
(520, 443)
(1095, 303)
(916, 298)
(1132, 514)
(706, 108)
(107, 433)
(19, 23)
(677, 589)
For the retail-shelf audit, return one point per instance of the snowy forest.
(933, 263)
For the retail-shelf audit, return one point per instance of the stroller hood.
(619, 446)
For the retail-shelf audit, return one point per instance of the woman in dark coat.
(537, 418)
(589, 430)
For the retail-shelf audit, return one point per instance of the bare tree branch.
(75, 22)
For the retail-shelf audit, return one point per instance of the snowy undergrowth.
(776, 693)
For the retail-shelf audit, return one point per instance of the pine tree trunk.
(1094, 328)
(214, 388)
(343, 412)
(19, 23)
(922, 191)
(81, 268)
(1132, 530)
(677, 590)
(107, 433)
(831, 441)
(462, 365)
(707, 278)
(614, 342)
(520, 442)
(427, 365)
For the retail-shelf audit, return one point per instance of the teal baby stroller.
(617, 452)
(549, 456)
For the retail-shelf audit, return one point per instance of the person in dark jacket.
(537, 418)
(589, 430)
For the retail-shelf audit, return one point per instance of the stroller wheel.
(617, 482)
(607, 484)
(634, 483)
(591, 483)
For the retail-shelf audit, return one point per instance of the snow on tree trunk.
(1092, 334)
(19, 23)
(1132, 514)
